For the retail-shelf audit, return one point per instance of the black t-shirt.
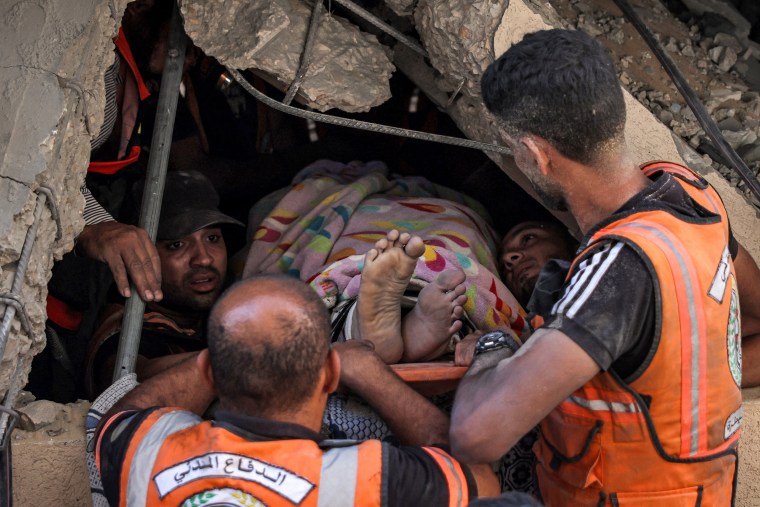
(608, 307)
(414, 478)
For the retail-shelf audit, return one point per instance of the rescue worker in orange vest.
(270, 364)
(634, 376)
(533, 262)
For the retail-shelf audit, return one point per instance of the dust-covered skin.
(387, 270)
(428, 327)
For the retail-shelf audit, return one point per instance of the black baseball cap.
(190, 203)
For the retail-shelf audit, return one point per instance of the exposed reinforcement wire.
(385, 27)
(363, 125)
(311, 37)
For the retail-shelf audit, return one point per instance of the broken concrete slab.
(349, 69)
(45, 89)
(401, 7)
(53, 456)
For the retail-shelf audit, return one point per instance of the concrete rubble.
(349, 68)
(45, 90)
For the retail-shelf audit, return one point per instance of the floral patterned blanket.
(320, 228)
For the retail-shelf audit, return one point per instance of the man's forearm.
(182, 386)
(411, 416)
(496, 406)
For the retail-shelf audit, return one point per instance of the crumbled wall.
(44, 140)
(349, 69)
(49, 464)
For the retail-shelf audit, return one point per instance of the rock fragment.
(38, 414)
(349, 69)
(724, 57)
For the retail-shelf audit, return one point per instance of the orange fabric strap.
(123, 46)
(115, 166)
(63, 314)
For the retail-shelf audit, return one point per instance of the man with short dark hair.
(270, 363)
(193, 260)
(635, 374)
(526, 249)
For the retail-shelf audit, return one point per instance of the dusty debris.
(349, 68)
(38, 414)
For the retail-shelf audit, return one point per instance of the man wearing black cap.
(193, 258)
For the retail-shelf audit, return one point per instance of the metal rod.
(363, 125)
(705, 120)
(18, 278)
(303, 68)
(129, 343)
(385, 27)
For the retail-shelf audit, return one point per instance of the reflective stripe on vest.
(692, 327)
(604, 405)
(141, 467)
(452, 470)
(337, 481)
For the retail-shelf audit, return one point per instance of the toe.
(460, 300)
(392, 236)
(455, 326)
(370, 256)
(381, 245)
(451, 280)
(457, 312)
(414, 247)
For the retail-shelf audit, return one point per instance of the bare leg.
(387, 270)
(427, 328)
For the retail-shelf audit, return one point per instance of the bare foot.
(387, 270)
(427, 328)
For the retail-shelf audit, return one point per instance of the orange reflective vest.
(669, 436)
(174, 458)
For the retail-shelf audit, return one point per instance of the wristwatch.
(495, 340)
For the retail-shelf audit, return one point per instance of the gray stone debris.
(731, 124)
(672, 45)
(729, 41)
(749, 153)
(401, 7)
(349, 69)
(724, 57)
(38, 414)
(739, 138)
(724, 94)
(722, 8)
(665, 117)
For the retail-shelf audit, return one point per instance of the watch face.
(491, 341)
(492, 335)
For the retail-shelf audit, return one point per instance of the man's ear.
(332, 371)
(203, 362)
(539, 150)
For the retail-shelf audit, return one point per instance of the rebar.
(150, 210)
(363, 125)
(303, 68)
